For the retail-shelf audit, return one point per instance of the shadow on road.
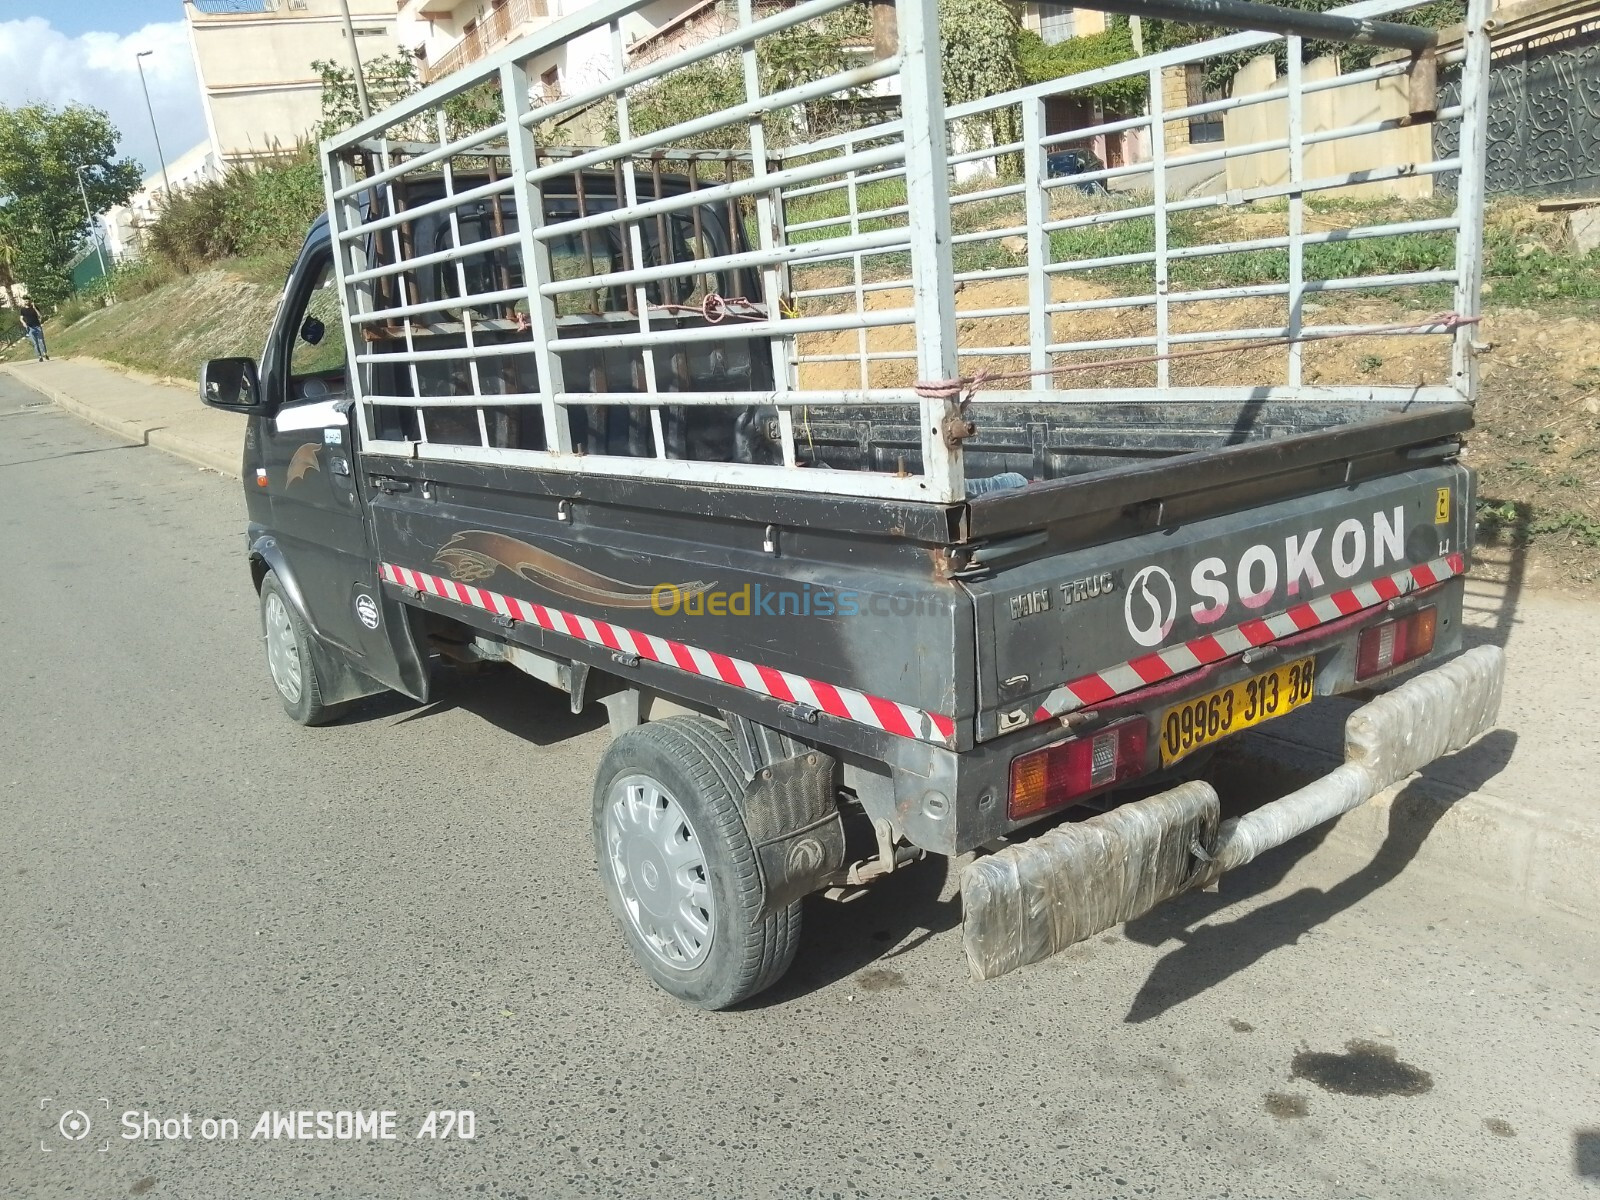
(502, 696)
(1493, 591)
(1586, 1153)
(839, 939)
(1211, 953)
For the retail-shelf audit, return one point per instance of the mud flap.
(792, 815)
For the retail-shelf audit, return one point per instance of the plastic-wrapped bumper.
(1036, 898)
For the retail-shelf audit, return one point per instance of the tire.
(290, 661)
(678, 867)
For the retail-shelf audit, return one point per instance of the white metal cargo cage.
(830, 249)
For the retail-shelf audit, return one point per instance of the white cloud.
(40, 63)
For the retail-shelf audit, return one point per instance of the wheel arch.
(341, 679)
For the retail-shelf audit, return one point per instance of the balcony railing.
(493, 31)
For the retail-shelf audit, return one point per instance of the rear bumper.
(970, 788)
(1036, 898)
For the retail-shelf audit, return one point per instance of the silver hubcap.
(660, 870)
(283, 652)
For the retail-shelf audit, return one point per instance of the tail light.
(1059, 774)
(1386, 646)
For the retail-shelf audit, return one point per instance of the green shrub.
(135, 277)
(198, 226)
(73, 311)
(285, 200)
(259, 213)
(1039, 61)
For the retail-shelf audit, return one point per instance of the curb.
(1543, 860)
(140, 433)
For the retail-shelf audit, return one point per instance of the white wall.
(257, 81)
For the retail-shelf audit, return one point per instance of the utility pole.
(94, 231)
(138, 59)
(355, 59)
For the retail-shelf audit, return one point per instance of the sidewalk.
(141, 409)
(1519, 810)
(1517, 813)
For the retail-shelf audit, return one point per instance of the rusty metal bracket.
(956, 428)
(1422, 86)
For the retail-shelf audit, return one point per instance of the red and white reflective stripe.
(1175, 660)
(845, 703)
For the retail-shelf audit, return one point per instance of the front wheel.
(290, 658)
(678, 866)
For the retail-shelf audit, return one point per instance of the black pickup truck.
(608, 473)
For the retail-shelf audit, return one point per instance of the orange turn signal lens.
(1030, 777)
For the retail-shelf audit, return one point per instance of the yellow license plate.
(1201, 721)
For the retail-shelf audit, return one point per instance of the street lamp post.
(355, 58)
(93, 232)
(138, 59)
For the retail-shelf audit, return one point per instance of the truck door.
(312, 475)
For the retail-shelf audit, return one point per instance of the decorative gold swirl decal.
(477, 554)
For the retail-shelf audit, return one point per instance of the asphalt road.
(210, 911)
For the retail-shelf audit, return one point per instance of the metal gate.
(1544, 116)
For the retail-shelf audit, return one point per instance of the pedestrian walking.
(33, 323)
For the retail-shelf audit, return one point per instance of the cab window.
(317, 360)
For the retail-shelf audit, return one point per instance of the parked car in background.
(1074, 160)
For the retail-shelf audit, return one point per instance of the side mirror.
(231, 384)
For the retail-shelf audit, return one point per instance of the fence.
(1543, 114)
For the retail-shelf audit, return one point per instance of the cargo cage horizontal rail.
(506, 294)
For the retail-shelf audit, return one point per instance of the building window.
(550, 82)
(1057, 22)
(1206, 127)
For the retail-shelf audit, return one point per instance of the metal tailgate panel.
(1048, 622)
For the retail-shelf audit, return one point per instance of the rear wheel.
(678, 866)
(289, 657)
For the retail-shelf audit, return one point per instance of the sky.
(65, 51)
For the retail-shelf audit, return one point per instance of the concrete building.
(261, 93)
(1059, 22)
(450, 34)
(123, 226)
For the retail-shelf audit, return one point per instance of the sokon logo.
(1150, 606)
(1301, 561)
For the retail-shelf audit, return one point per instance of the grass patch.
(1524, 263)
(1519, 523)
(174, 326)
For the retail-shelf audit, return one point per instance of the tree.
(41, 210)
(391, 79)
(8, 265)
